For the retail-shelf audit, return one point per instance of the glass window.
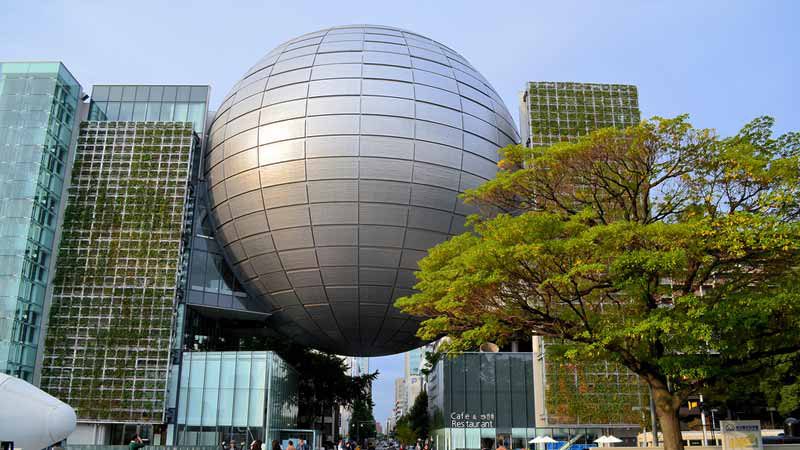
(167, 111)
(183, 93)
(42, 86)
(210, 408)
(169, 93)
(98, 111)
(241, 401)
(243, 372)
(256, 414)
(197, 112)
(142, 93)
(225, 407)
(155, 93)
(139, 111)
(126, 111)
(153, 111)
(197, 270)
(198, 94)
(112, 110)
(195, 407)
(100, 93)
(14, 86)
(212, 274)
(181, 112)
(129, 93)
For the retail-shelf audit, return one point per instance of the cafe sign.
(741, 435)
(466, 420)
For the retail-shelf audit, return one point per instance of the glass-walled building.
(143, 103)
(478, 400)
(39, 109)
(240, 396)
(482, 400)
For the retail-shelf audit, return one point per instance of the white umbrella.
(536, 440)
(613, 439)
(548, 440)
(602, 440)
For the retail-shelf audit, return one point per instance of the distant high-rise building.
(569, 394)
(40, 107)
(412, 361)
(412, 378)
(400, 400)
(413, 385)
(552, 112)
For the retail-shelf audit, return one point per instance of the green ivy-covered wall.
(108, 341)
(594, 393)
(563, 111)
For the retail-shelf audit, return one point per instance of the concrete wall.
(89, 434)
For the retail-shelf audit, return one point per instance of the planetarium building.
(191, 243)
(334, 164)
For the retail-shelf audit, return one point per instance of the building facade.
(119, 266)
(239, 396)
(480, 400)
(412, 378)
(40, 106)
(552, 112)
(335, 163)
(142, 288)
(400, 400)
(590, 393)
(412, 360)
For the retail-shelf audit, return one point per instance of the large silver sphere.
(335, 163)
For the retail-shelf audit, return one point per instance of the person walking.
(275, 445)
(302, 445)
(136, 443)
(291, 446)
(256, 445)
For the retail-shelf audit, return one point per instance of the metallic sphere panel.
(335, 163)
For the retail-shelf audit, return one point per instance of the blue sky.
(724, 62)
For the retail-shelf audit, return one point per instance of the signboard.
(466, 420)
(741, 435)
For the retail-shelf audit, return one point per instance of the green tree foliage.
(431, 358)
(417, 418)
(362, 422)
(323, 382)
(404, 433)
(661, 247)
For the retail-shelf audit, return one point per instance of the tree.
(431, 358)
(404, 433)
(662, 247)
(362, 422)
(323, 382)
(417, 417)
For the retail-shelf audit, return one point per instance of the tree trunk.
(667, 406)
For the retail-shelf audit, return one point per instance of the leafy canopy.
(417, 418)
(662, 247)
